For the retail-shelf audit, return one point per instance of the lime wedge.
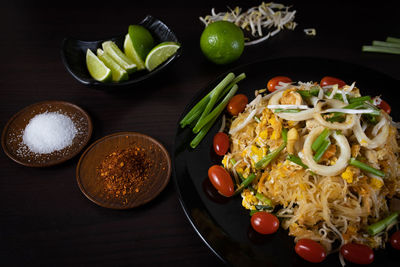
(118, 73)
(96, 67)
(160, 53)
(142, 40)
(112, 49)
(132, 54)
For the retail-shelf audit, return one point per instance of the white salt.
(49, 132)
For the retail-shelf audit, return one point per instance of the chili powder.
(124, 172)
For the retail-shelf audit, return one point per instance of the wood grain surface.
(44, 218)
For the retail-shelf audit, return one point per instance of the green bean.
(379, 226)
(365, 167)
(320, 139)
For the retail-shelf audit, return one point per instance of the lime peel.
(117, 72)
(160, 54)
(97, 69)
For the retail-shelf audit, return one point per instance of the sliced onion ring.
(298, 116)
(377, 141)
(340, 164)
(347, 124)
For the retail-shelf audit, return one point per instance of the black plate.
(222, 223)
(73, 54)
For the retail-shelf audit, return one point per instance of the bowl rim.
(99, 141)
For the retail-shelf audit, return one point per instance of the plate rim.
(72, 155)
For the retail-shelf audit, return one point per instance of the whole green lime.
(222, 42)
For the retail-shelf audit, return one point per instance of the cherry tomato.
(328, 80)
(221, 180)
(385, 106)
(275, 81)
(237, 104)
(310, 250)
(395, 240)
(264, 222)
(221, 143)
(357, 253)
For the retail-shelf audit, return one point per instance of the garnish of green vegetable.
(297, 160)
(390, 46)
(381, 49)
(262, 163)
(320, 139)
(392, 39)
(321, 150)
(216, 92)
(216, 111)
(379, 226)
(194, 114)
(314, 90)
(359, 99)
(266, 201)
(245, 183)
(202, 133)
(366, 168)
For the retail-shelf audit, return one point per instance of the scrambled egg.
(376, 183)
(249, 199)
(348, 175)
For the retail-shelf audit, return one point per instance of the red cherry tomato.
(221, 180)
(328, 80)
(221, 143)
(275, 81)
(395, 240)
(237, 104)
(264, 222)
(310, 250)
(357, 253)
(385, 106)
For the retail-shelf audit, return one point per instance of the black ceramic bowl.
(73, 54)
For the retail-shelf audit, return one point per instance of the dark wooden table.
(44, 218)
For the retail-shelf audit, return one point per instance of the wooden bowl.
(11, 139)
(93, 186)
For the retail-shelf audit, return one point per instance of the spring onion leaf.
(366, 167)
(245, 183)
(262, 163)
(297, 160)
(380, 49)
(392, 39)
(216, 92)
(216, 111)
(321, 150)
(379, 226)
(320, 139)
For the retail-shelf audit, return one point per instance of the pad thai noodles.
(325, 161)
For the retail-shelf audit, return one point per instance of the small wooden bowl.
(92, 185)
(11, 139)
